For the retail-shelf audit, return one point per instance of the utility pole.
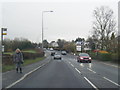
(43, 27)
(3, 32)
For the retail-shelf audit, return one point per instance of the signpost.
(78, 48)
(3, 32)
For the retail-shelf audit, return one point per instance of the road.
(68, 73)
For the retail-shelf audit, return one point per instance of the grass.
(30, 61)
(7, 67)
(8, 53)
(30, 51)
(26, 62)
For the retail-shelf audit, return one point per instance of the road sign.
(4, 33)
(78, 48)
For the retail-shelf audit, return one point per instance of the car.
(63, 52)
(57, 56)
(84, 57)
(52, 53)
(51, 49)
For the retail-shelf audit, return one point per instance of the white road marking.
(77, 70)
(91, 83)
(111, 81)
(91, 70)
(111, 65)
(72, 65)
(22, 78)
(69, 62)
(82, 65)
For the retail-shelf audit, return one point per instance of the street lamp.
(42, 25)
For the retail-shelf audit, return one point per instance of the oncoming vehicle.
(51, 49)
(52, 53)
(83, 57)
(63, 52)
(57, 56)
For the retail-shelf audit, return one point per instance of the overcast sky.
(69, 19)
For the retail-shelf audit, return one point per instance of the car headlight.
(89, 57)
(81, 58)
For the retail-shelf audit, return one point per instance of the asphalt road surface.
(68, 73)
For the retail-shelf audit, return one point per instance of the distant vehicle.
(83, 57)
(57, 56)
(63, 52)
(51, 49)
(52, 53)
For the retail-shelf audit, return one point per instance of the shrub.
(8, 58)
(102, 51)
(115, 57)
(104, 56)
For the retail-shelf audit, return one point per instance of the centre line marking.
(72, 65)
(91, 70)
(91, 83)
(111, 81)
(77, 70)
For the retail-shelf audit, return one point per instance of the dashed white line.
(69, 62)
(91, 83)
(111, 81)
(72, 65)
(77, 70)
(91, 70)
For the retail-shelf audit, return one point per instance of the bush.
(104, 56)
(8, 58)
(115, 57)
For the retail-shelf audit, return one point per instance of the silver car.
(57, 56)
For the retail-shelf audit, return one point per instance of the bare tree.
(104, 25)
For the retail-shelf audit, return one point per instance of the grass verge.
(26, 62)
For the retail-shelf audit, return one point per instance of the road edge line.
(111, 81)
(22, 78)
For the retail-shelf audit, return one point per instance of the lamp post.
(43, 25)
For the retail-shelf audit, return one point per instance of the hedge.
(105, 56)
(8, 58)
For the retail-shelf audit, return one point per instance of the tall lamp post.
(43, 27)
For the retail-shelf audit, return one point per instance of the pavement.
(65, 73)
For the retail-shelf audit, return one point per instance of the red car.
(83, 57)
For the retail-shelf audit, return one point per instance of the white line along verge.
(111, 81)
(77, 70)
(91, 83)
(69, 62)
(91, 70)
(72, 65)
(116, 66)
(22, 78)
